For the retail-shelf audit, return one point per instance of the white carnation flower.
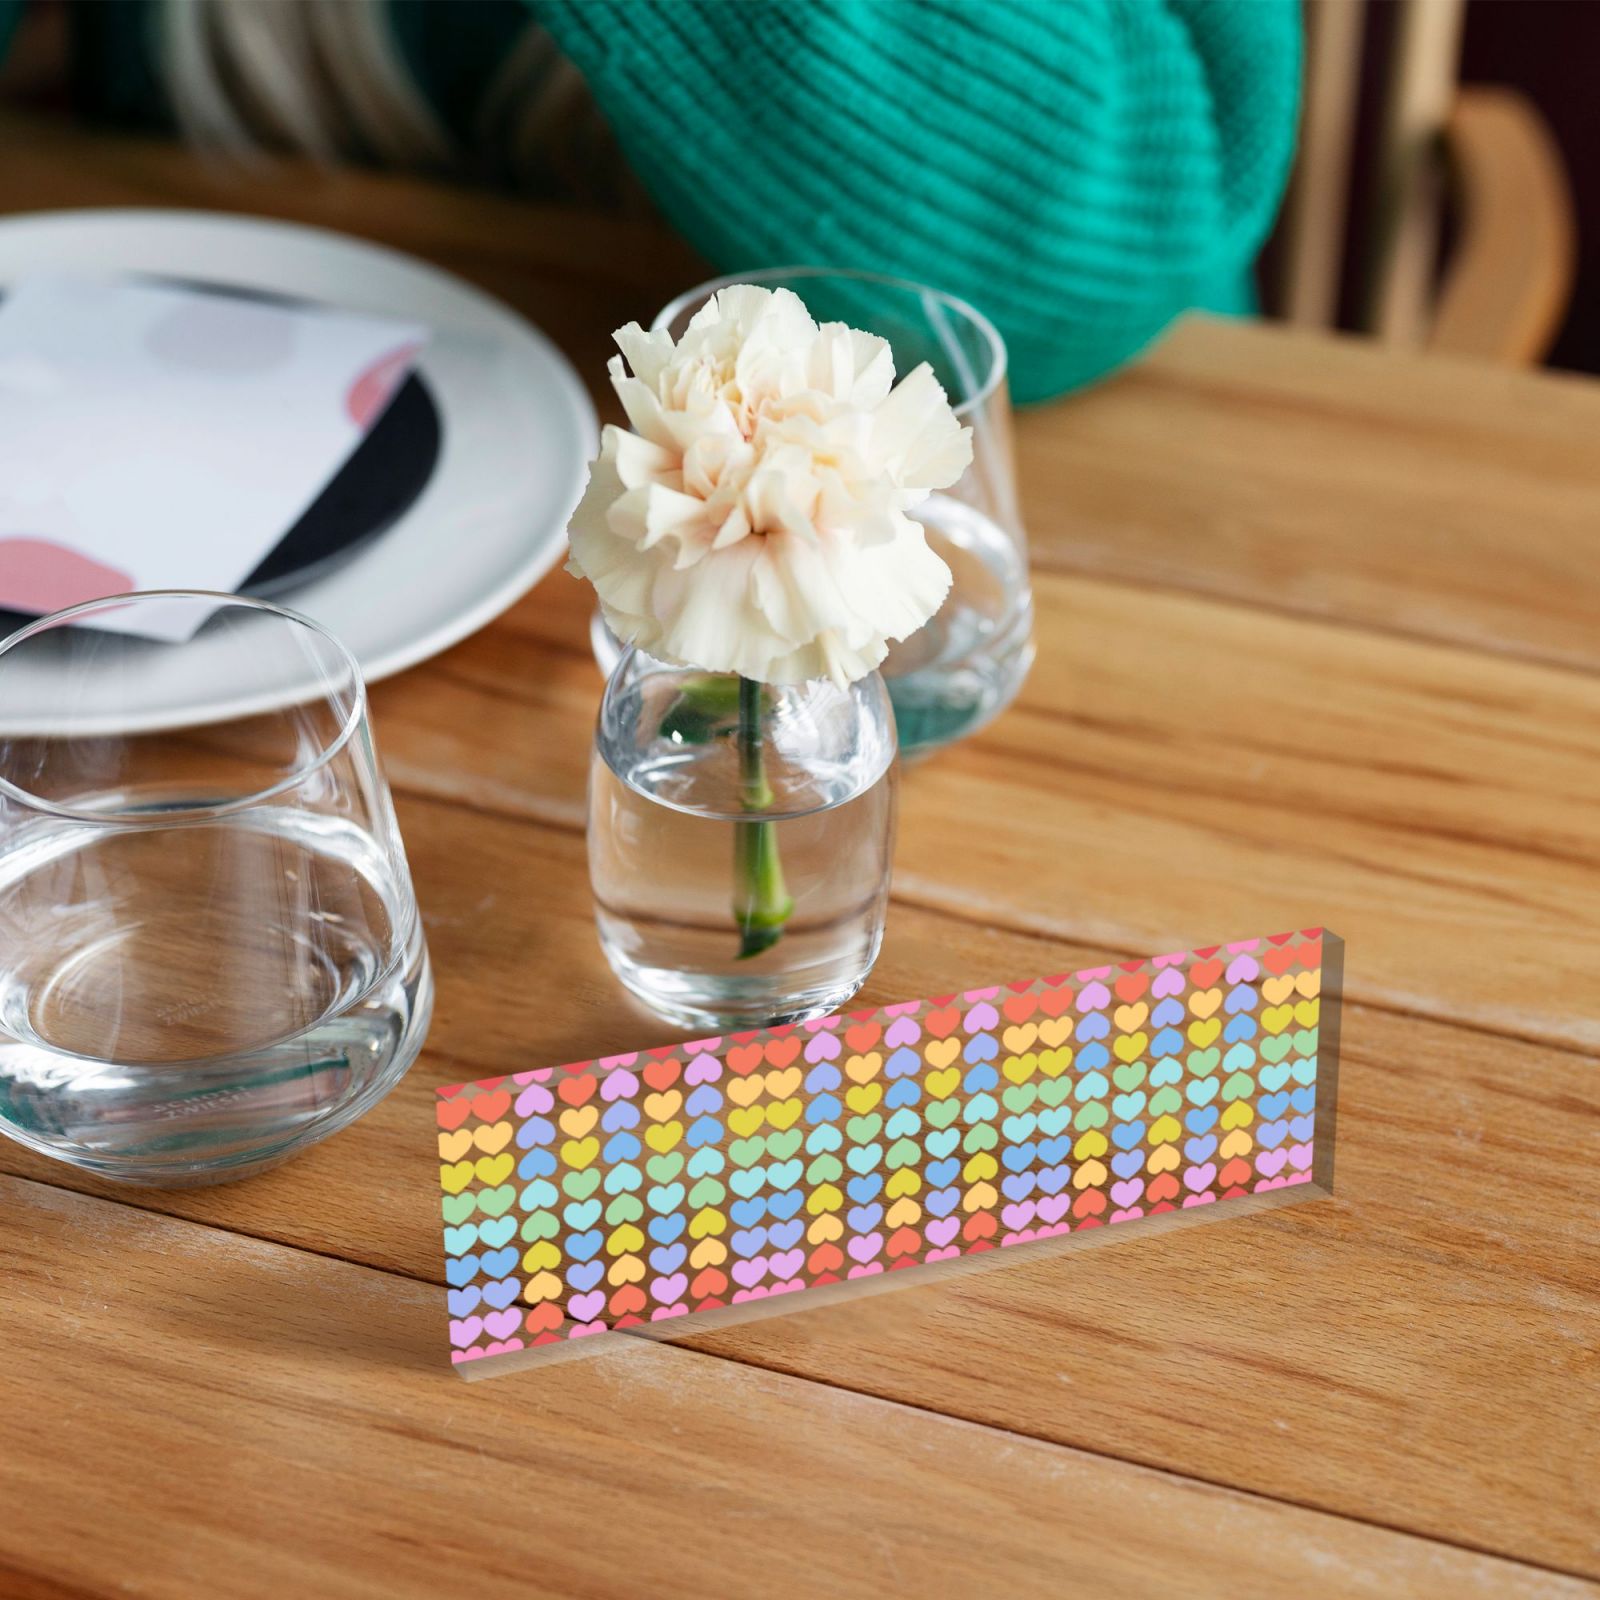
(755, 519)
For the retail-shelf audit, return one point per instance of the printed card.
(693, 1185)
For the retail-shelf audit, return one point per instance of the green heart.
(1130, 1076)
(1019, 1096)
(747, 1152)
(982, 1137)
(708, 1192)
(1093, 1115)
(863, 1130)
(1054, 1092)
(780, 1146)
(1275, 1050)
(665, 1168)
(824, 1169)
(1165, 1100)
(904, 1153)
(1201, 1062)
(1305, 1042)
(457, 1207)
(496, 1202)
(625, 1208)
(1238, 1086)
(943, 1112)
(580, 1185)
(541, 1225)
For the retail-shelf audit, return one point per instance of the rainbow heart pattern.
(714, 1176)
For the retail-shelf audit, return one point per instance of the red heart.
(576, 1091)
(1021, 1006)
(450, 1117)
(544, 1317)
(744, 1059)
(980, 1225)
(1129, 989)
(630, 1297)
(825, 1258)
(904, 1241)
(1205, 973)
(780, 1052)
(661, 1075)
(1310, 954)
(491, 1107)
(1233, 1172)
(862, 1037)
(1162, 1187)
(1278, 961)
(709, 1282)
(1056, 1002)
(1090, 1203)
(710, 1304)
(941, 1024)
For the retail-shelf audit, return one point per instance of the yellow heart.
(745, 1091)
(824, 1198)
(452, 1146)
(544, 1286)
(494, 1170)
(1092, 1143)
(1129, 1019)
(745, 1122)
(539, 1255)
(1052, 1063)
(780, 1085)
(1131, 1047)
(905, 1181)
(1276, 1018)
(862, 1099)
(628, 1269)
(706, 1222)
(1055, 1032)
(941, 1085)
(941, 1052)
(663, 1139)
(1310, 983)
(1164, 1158)
(1238, 1115)
(979, 1197)
(1201, 1034)
(1020, 1068)
(493, 1140)
(1238, 1143)
(1089, 1175)
(903, 1213)
(981, 1166)
(784, 1115)
(624, 1241)
(1307, 1012)
(1276, 989)
(580, 1152)
(1165, 1129)
(1019, 1040)
(661, 1107)
(579, 1120)
(862, 1069)
(824, 1229)
(1204, 1002)
(708, 1253)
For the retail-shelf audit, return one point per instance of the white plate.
(518, 428)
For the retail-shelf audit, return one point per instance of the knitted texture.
(1081, 170)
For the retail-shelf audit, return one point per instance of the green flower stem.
(761, 903)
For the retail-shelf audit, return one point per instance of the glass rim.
(291, 780)
(997, 345)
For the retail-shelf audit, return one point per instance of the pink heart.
(1198, 1200)
(1026, 1236)
(608, 1062)
(619, 1085)
(661, 1313)
(465, 1331)
(697, 1047)
(902, 1031)
(1271, 1162)
(982, 1017)
(823, 1024)
(502, 1347)
(972, 996)
(1173, 960)
(1132, 1214)
(1093, 972)
(584, 1328)
(1055, 1230)
(1243, 944)
(1093, 997)
(748, 1294)
(872, 1269)
(583, 1307)
(791, 1287)
(905, 1008)
(944, 1254)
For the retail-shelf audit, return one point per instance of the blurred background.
(1440, 197)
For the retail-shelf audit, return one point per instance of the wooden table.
(1319, 642)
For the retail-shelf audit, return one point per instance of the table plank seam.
(693, 1349)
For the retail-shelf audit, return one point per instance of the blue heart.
(863, 1219)
(784, 1206)
(748, 1241)
(784, 1174)
(1017, 1185)
(903, 1063)
(500, 1295)
(667, 1197)
(1093, 1057)
(981, 1047)
(746, 1213)
(822, 1076)
(537, 1164)
(1093, 1026)
(1241, 999)
(1127, 1134)
(1127, 1162)
(665, 1229)
(623, 1147)
(668, 1258)
(457, 1241)
(1272, 1134)
(499, 1231)
(939, 1173)
(747, 1183)
(1018, 1157)
(942, 1142)
(861, 1190)
(499, 1263)
(581, 1246)
(585, 1276)
(1242, 1027)
(704, 1099)
(581, 1214)
(982, 1077)
(785, 1235)
(704, 1162)
(825, 1108)
(1053, 1150)
(1273, 1105)
(941, 1202)
(1166, 1043)
(536, 1130)
(620, 1114)
(704, 1130)
(624, 1177)
(1198, 1150)
(1054, 1179)
(1304, 1099)
(1169, 1011)
(1301, 1129)
(461, 1269)
(904, 1092)
(1201, 1120)
(903, 1124)
(463, 1300)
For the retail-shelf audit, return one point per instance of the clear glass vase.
(966, 664)
(740, 839)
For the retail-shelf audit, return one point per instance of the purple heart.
(1094, 995)
(1055, 1208)
(534, 1100)
(584, 1275)
(822, 1047)
(669, 1289)
(943, 1231)
(902, 1031)
(1052, 1180)
(667, 1258)
(787, 1264)
(619, 1085)
(624, 1114)
(941, 1202)
(1017, 1185)
(1198, 1178)
(1127, 1162)
(464, 1300)
(865, 1248)
(1243, 969)
(501, 1294)
(1018, 1215)
(586, 1307)
(704, 1099)
(702, 1069)
(1167, 1014)
(981, 1018)
(750, 1273)
(903, 1063)
(863, 1219)
(465, 1332)
(1198, 1150)
(785, 1235)
(822, 1078)
(1124, 1194)
(1169, 981)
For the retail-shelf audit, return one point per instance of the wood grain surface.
(1319, 642)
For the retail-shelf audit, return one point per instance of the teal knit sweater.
(1082, 170)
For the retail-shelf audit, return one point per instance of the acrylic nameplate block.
(697, 1184)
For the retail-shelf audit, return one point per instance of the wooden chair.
(1481, 156)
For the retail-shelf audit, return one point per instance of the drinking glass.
(718, 917)
(210, 953)
(966, 664)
